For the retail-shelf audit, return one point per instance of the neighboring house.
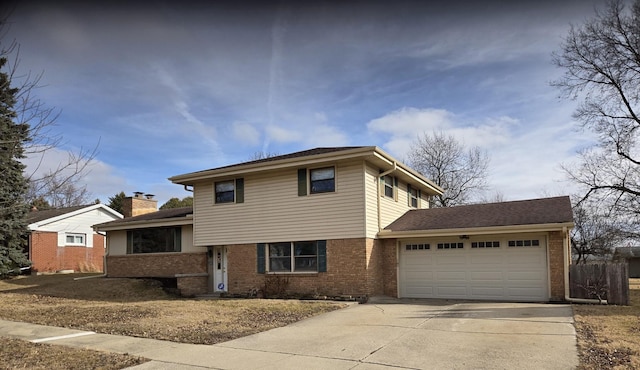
(63, 238)
(632, 256)
(349, 221)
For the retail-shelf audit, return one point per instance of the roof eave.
(176, 221)
(390, 234)
(38, 224)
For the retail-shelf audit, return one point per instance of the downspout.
(187, 189)
(104, 262)
(380, 176)
(567, 260)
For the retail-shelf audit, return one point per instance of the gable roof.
(35, 218)
(550, 212)
(311, 157)
(171, 216)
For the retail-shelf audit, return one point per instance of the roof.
(627, 252)
(35, 218)
(311, 157)
(161, 215)
(555, 210)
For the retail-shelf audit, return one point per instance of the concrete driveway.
(424, 334)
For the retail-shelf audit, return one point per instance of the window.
(485, 245)
(524, 243)
(388, 186)
(414, 196)
(450, 245)
(323, 180)
(225, 191)
(154, 240)
(417, 247)
(75, 239)
(306, 256)
(231, 191)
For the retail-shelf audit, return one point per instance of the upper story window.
(75, 239)
(388, 186)
(414, 196)
(323, 180)
(154, 240)
(230, 191)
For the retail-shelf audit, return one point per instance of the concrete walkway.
(382, 334)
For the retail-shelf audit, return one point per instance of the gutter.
(567, 263)
(378, 178)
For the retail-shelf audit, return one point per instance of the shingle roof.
(158, 215)
(37, 216)
(304, 153)
(523, 212)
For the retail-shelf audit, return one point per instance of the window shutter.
(322, 256)
(302, 182)
(261, 258)
(419, 198)
(409, 194)
(129, 242)
(395, 189)
(240, 190)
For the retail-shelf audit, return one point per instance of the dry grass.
(141, 308)
(609, 336)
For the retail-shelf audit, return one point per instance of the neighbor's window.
(388, 186)
(323, 180)
(225, 191)
(75, 239)
(293, 257)
(154, 240)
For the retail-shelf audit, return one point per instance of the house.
(347, 221)
(632, 256)
(63, 238)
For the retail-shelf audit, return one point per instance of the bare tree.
(595, 233)
(262, 155)
(53, 184)
(460, 171)
(601, 62)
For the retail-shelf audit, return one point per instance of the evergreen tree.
(178, 203)
(13, 184)
(116, 201)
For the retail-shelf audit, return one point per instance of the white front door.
(219, 269)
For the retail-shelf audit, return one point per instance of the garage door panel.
(496, 273)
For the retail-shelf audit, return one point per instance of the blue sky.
(169, 89)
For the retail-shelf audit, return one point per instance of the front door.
(219, 269)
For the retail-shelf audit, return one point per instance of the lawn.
(609, 336)
(131, 307)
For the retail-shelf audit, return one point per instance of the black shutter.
(261, 258)
(409, 194)
(240, 190)
(322, 256)
(302, 182)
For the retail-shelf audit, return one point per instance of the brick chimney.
(139, 204)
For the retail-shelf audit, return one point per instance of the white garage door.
(485, 268)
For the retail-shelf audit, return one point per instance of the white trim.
(142, 224)
(38, 224)
(390, 234)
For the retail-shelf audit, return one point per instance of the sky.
(166, 88)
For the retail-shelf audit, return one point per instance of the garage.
(500, 267)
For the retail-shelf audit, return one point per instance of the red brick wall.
(390, 267)
(354, 267)
(48, 257)
(156, 264)
(556, 265)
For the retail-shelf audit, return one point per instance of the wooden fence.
(606, 281)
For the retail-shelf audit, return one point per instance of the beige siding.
(117, 241)
(272, 210)
(390, 208)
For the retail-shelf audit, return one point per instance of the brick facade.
(556, 265)
(354, 268)
(46, 256)
(157, 264)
